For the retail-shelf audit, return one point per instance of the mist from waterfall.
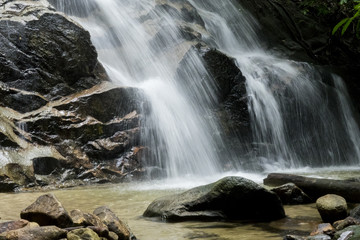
(297, 118)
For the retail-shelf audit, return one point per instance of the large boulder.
(82, 234)
(231, 198)
(331, 208)
(47, 210)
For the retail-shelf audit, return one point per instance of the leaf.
(342, 22)
(346, 25)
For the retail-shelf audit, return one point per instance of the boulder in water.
(231, 198)
(349, 221)
(13, 225)
(114, 224)
(291, 194)
(47, 210)
(82, 233)
(332, 208)
(35, 233)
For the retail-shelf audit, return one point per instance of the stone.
(319, 237)
(45, 165)
(355, 212)
(20, 174)
(293, 237)
(7, 185)
(85, 219)
(47, 210)
(230, 198)
(113, 223)
(82, 234)
(331, 208)
(324, 228)
(291, 194)
(349, 221)
(349, 233)
(36, 233)
(13, 225)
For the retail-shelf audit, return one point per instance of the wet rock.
(47, 210)
(349, 221)
(82, 234)
(45, 165)
(87, 219)
(293, 237)
(291, 194)
(36, 233)
(349, 233)
(233, 198)
(13, 225)
(355, 213)
(331, 208)
(20, 174)
(113, 223)
(319, 237)
(7, 185)
(324, 228)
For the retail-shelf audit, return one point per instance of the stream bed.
(129, 201)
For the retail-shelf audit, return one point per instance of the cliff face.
(57, 109)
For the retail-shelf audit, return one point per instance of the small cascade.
(300, 116)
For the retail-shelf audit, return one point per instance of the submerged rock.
(332, 208)
(231, 198)
(47, 210)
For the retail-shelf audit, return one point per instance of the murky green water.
(129, 201)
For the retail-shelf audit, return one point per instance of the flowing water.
(300, 116)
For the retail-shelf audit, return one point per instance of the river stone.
(233, 198)
(13, 225)
(349, 221)
(20, 174)
(324, 228)
(82, 234)
(291, 194)
(355, 213)
(36, 233)
(47, 210)
(349, 233)
(113, 223)
(332, 207)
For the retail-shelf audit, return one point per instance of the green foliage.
(345, 23)
(319, 8)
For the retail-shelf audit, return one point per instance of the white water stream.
(297, 119)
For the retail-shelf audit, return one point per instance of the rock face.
(231, 198)
(57, 109)
(332, 208)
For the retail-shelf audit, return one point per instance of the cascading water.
(294, 114)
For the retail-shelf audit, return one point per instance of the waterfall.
(296, 119)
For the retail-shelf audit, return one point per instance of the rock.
(113, 223)
(349, 233)
(349, 221)
(113, 236)
(13, 225)
(47, 210)
(7, 185)
(87, 219)
(231, 198)
(293, 237)
(319, 237)
(20, 174)
(324, 228)
(332, 208)
(36, 233)
(45, 165)
(291, 194)
(82, 234)
(355, 213)
(317, 187)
